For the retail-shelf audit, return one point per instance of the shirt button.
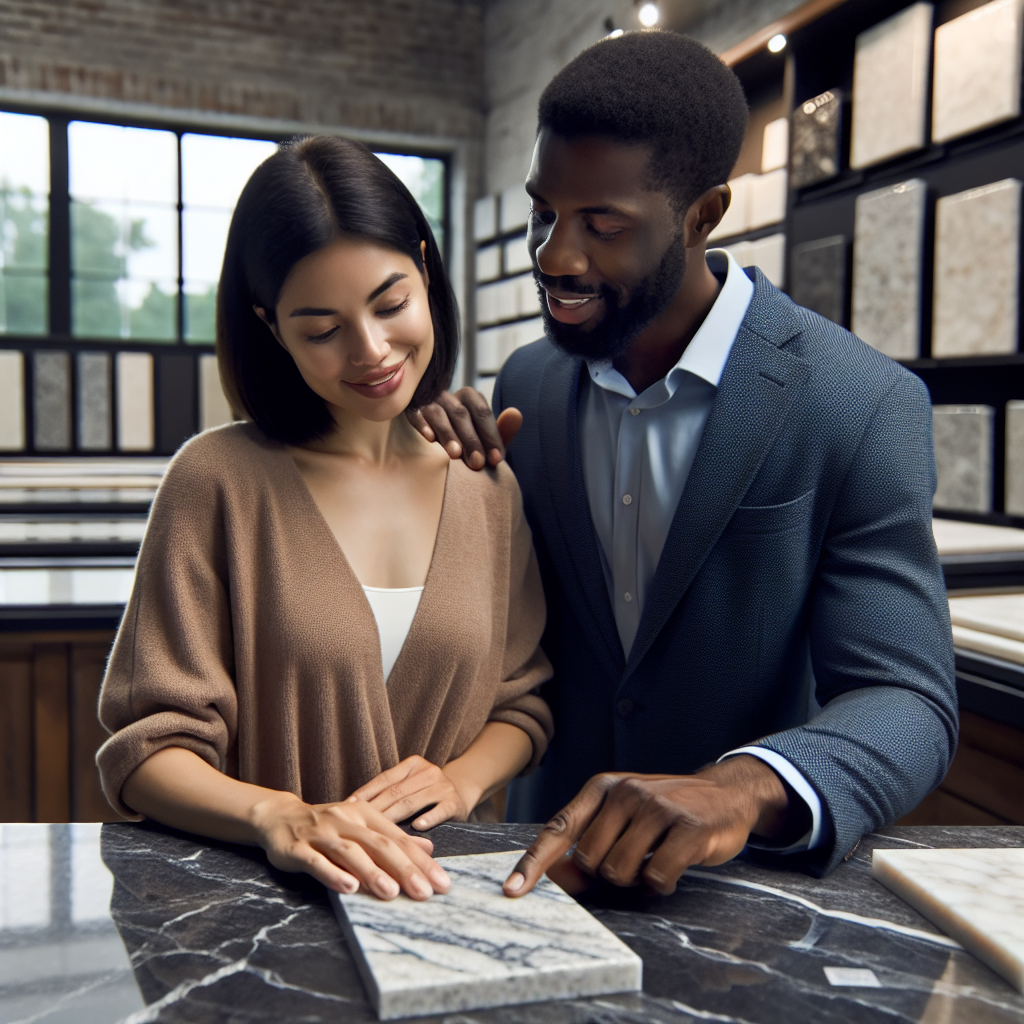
(627, 597)
(634, 412)
(627, 499)
(624, 708)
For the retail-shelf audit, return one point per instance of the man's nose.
(560, 254)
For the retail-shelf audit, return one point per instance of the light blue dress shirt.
(637, 451)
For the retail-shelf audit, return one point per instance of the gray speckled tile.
(1014, 504)
(51, 401)
(888, 252)
(890, 87)
(473, 947)
(977, 69)
(963, 457)
(818, 276)
(816, 139)
(94, 401)
(977, 270)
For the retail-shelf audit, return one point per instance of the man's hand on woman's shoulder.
(464, 425)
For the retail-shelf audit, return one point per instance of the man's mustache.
(564, 284)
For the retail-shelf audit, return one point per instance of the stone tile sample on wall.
(495, 344)
(977, 271)
(488, 263)
(1014, 503)
(12, 400)
(474, 948)
(817, 276)
(95, 431)
(974, 896)
(890, 87)
(766, 203)
(775, 145)
(213, 404)
(888, 254)
(977, 77)
(517, 256)
(735, 221)
(514, 208)
(817, 136)
(767, 254)
(963, 457)
(134, 401)
(485, 218)
(51, 401)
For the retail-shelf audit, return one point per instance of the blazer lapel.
(577, 557)
(758, 387)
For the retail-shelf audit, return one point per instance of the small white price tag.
(852, 977)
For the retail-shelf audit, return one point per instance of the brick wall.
(410, 66)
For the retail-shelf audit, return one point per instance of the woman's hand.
(345, 845)
(415, 783)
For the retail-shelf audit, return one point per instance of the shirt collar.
(708, 351)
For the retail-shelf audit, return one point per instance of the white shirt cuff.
(810, 840)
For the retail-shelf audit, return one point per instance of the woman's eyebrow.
(311, 311)
(381, 288)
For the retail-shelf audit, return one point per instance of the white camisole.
(394, 611)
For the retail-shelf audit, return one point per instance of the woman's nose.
(367, 345)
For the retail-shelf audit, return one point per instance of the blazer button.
(624, 708)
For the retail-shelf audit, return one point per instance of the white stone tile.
(769, 256)
(213, 403)
(474, 948)
(775, 145)
(974, 896)
(514, 208)
(517, 256)
(488, 263)
(527, 297)
(955, 537)
(489, 347)
(1003, 647)
(1014, 504)
(977, 75)
(963, 457)
(12, 401)
(736, 219)
(890, 86)
(766, 202)
(888, 253)
(487, 304)
(485, 385)
(1001, 614)
(134, 401)
(485, 218)
(977, 270)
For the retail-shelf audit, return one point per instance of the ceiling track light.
(649, 15)
(777, 43)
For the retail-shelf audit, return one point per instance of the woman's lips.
(575, 310)
(380, 387)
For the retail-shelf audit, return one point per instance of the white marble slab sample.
(1000, 614)
(775, 145)
(767, 199)
(134, 401)
(888, 255)
(963, 457)
(485, 218)
(890, 86)
(1014, 487)
(474, 948)
(975, 896)
(977, 74)
(214, 408)
(737, 217)
(955, 537)
(12, 400)
(977, 271)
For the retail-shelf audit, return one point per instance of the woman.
(334, 626)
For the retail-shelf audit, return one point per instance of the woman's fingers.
(393, 777)
(440, 812)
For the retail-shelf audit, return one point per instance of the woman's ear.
(423, 257)
(262, 314)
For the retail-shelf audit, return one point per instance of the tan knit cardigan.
(248, 639)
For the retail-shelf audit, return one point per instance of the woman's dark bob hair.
(310, 192)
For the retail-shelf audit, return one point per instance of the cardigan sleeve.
(524, 665)
(169, 681)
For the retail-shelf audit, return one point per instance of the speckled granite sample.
(51, 400)
(473, 947)
(1014, 503)
(817, 276)
(888, 254)
(977, 271)
(817, 135)
(976, 896)
(94, 401)
(890, 86)
(963, 457)
(977, 69)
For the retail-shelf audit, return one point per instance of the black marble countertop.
(203, 932)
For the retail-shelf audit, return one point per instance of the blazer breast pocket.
(767, 519)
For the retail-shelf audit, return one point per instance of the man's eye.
(605, 235)
(392, 310)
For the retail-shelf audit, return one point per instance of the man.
(730, 499)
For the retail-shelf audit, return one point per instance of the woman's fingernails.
(515, 882)
(387, 888)
(420, 887)
(442, 883)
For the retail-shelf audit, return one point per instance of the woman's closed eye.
(393, 310)
(322, 337)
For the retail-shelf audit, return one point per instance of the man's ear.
(262, 314)
(423, 257)
(705, 214)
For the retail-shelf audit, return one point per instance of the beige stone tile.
(1014, 504)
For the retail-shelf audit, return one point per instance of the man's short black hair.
(661, 89)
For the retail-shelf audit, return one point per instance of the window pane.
(214, 170)
(24, 228)
(124, 231)
(424, 178)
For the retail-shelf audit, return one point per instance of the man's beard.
(620, 326)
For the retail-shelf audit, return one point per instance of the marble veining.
(818, 276)
(816, 139)
(977, 78)
(977, 270)
(888, 254)
(472, 947)
(963, 456)
(890, 86)
(975, 895)
(1014, 487)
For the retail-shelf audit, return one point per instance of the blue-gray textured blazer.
(798, 601)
